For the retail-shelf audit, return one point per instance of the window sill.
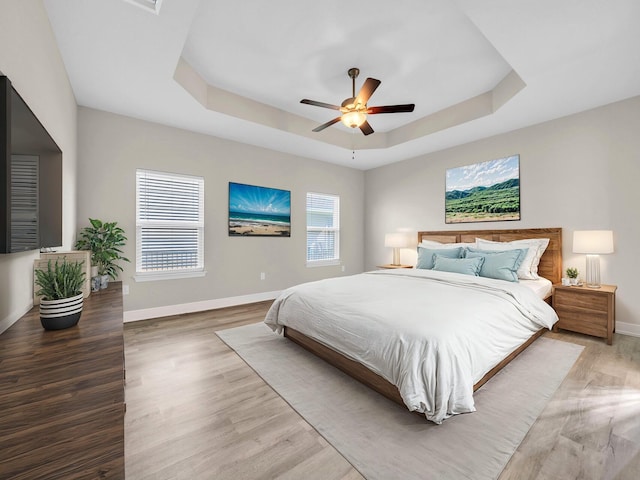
(323, 263)
(152, 277)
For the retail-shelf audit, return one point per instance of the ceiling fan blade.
(370, 85)
(391, 109)
(319, 104)
(328, 124)
(366, 128)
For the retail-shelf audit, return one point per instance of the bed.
(419, 337)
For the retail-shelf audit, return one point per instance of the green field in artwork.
(484, 204)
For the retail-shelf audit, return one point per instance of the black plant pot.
(60, 314)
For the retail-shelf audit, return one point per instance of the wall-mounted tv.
(30, 178)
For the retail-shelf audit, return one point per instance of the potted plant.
(104, 239)
(572, 273)
(61, 290)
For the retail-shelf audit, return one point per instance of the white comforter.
(432, 334)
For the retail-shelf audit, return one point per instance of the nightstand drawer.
(563, 298)
(583, 321)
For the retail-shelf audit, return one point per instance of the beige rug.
(384, 441)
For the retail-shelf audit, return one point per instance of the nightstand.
(389, 265)
(586, 310)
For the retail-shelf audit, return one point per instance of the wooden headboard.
(550, 266)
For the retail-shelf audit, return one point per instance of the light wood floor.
(195, 411)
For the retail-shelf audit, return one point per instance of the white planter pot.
(104, 281)
(59, 314)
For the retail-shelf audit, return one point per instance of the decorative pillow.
(529, 267)
(425, 255)
(500, 265)
(521, 257)
(466, 266)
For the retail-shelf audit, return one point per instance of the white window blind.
(323, 229)
(169, 223)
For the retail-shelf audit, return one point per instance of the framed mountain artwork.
(483, 192)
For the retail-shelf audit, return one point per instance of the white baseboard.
(631, 329)
(157, 312)
(6, 322)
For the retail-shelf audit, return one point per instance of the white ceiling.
(238, 69)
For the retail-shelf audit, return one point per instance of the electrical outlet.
(263, 275)
(343, 268)
(125, 289)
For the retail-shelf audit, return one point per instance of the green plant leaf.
(63, 280)
(103, 239)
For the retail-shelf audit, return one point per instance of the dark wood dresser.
(62, 395)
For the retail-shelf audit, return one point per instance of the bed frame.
(550, 267)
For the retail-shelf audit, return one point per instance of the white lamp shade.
(396, 240)
(593, 242)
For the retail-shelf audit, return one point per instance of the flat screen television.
(30, 178)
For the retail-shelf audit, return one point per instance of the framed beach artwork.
(259, 211)
(483, 192)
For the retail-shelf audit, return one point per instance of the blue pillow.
(502, 265)
(523, 251)
(425, 255)
(467, 266)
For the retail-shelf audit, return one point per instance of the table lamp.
(396, 241)
(593, 243)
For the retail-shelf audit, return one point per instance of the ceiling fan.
(354, 109)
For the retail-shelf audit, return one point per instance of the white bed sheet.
(541, 287)
(432, 334)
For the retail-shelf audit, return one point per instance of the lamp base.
(593, 271)
(396, 256)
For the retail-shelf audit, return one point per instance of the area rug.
(384, 441)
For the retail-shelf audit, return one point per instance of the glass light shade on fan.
(353, 119)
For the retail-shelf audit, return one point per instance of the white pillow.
(434, 244)
(529, 267)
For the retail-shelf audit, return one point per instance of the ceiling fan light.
(354, 119)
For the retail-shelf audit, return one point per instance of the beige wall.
(111, 147)
(579, 173)
(30, 58)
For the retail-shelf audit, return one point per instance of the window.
(323, 229)
(169, 225)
